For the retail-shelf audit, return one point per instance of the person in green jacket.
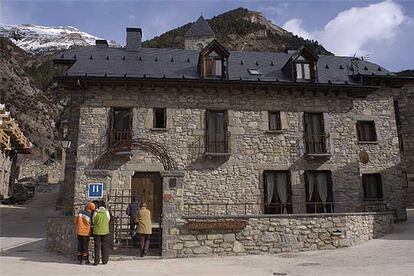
(100, 220)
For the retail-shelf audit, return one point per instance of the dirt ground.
(23, 253)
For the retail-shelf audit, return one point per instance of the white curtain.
(322, 188)
(270, 186)
(310, 177)
(282, 189)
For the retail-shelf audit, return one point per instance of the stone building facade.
(403, 101)
(208, 134)
(239, 177)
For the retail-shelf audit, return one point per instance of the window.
(366, 131)
(319, 195)
(372, 186)
(200, 46)
(277, 191)
(254, 71)
(214, 67)
(274, 120)
(160, 118)
(120, 127)
(397, 113)
(400, 142)
(405, 179)
(315, 137)
(216, 140)
(303, 71)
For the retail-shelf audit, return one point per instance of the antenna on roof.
(366, 57)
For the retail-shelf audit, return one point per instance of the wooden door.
(146, 187)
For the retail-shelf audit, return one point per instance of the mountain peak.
(35, 38)
(240, 29)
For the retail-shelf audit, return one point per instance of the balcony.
(119, 137)
(217, 145)
(317, 146)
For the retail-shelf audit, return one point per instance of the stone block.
(238, 247)
(202, 250)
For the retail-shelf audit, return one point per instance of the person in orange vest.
(83, 222)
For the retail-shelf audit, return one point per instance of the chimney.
(101, 43)
(133, 39)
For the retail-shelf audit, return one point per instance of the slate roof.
(199, 29)
(180, 63)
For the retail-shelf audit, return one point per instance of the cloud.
(361, 30)
(295, 26)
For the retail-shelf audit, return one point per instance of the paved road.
(391, 255)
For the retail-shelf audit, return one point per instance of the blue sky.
(382, 30)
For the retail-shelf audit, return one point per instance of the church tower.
(199, 35)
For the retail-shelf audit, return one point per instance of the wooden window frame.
(362, 135)
(315, 143)
(112, 136)
(226, 139)
(208, 72)
(380, 195)
(164, 120)
(302, 68)
(278, 125)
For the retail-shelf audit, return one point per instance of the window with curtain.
(372, 186)
(278, 195)
(366, 131)
(315, 136)
(319, 193)
(274, 120)
(216, 139)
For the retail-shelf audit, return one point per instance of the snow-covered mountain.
(35, 39)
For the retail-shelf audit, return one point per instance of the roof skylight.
(253, 71)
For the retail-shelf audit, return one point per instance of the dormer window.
(213, 65)
(213, 61)
(301, 66)
(303, 71)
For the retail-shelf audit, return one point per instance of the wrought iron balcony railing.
(218, 144)
(317, 144)
(120, 136)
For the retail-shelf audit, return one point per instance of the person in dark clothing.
(100, 221)
(132, 212)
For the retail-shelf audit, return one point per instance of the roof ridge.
(200, 28)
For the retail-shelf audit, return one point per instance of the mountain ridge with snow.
(38, 39)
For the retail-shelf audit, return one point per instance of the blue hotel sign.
(95, 190)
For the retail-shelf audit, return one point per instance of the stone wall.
(405, 98)
(5, 170)
(61, 236)
(48, 172)
(239, 178)
(279, 234)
